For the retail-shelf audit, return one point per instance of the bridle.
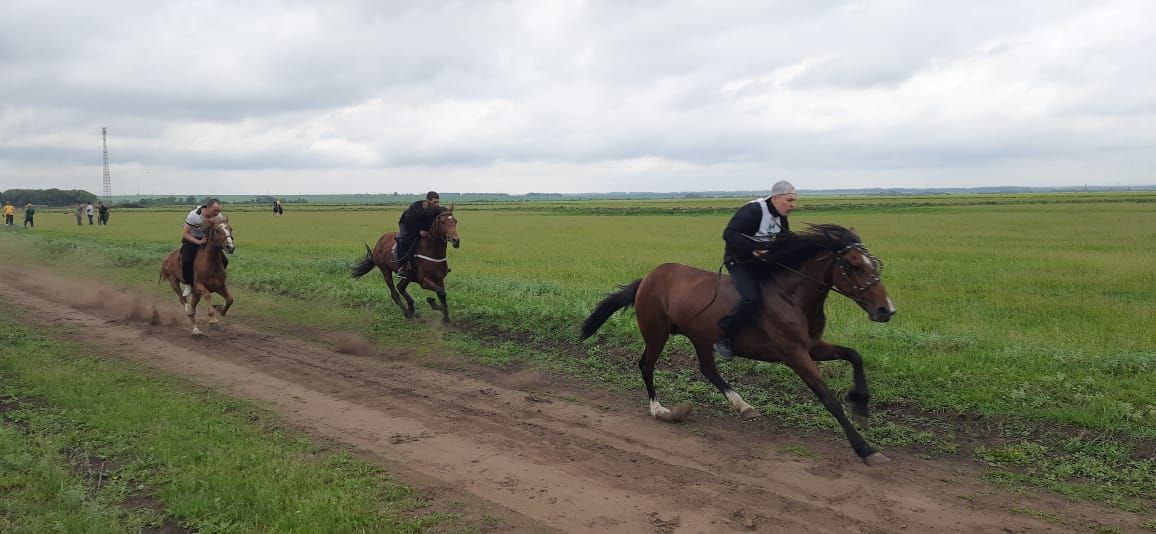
(445, 238)
(837, 259)
(213, 230)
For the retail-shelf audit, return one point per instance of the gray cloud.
(578, 96)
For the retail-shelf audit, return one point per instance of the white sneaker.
(186, 290)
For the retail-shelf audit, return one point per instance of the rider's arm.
(745, 221)
(187, 236)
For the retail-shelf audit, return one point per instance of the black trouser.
(8, 220)
(90, 219)
(29, 222)
(188, 256)
(750, 298)
(404, 244)
(102, 218)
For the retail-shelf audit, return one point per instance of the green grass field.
(1034, 312)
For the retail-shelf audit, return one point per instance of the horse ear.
(451, 207)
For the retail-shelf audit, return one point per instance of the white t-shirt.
(770, 225)
(195, 220)
(88, 209)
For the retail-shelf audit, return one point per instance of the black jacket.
(416, 218)
(746, 221)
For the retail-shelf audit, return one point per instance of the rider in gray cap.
(761, 217)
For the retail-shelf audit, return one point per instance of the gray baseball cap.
(782, 187)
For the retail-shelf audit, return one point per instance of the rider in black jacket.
(417, 217)
(762, 217)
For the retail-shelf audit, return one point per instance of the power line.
(107, 177)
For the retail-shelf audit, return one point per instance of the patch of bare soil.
(541, 456)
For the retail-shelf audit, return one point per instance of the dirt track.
(541, 460)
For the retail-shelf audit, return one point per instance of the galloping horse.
(430, 257)
(799, 271)
(208, 271)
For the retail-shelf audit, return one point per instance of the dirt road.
(544, 455)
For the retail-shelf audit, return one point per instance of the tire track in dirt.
(568, 465)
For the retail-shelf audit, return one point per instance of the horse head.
(855, 273)
(445, 227)
(220, 234)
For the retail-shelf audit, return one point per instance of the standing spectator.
(277, 209)
(9, 212)
(29, 213)
(102, 214)
(76, 207)
(88, 210)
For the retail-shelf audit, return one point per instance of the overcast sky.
(284, 96)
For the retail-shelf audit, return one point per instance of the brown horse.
(208, 271)
(799, 271)
(430, 259)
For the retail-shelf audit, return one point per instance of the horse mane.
(794, 248)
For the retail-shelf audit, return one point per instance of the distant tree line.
(264, 199)
(47, 197)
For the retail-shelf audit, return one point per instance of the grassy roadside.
(95, 445)
(1036, 384)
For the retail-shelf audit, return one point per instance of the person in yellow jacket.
(9, 213)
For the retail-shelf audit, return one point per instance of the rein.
(837, 259)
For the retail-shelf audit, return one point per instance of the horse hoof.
(875, 459)
(197, 332)
(676, 414)
(750, 413)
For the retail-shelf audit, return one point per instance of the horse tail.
(623, 298)
(365, 265)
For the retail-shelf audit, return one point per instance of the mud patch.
(167, 525)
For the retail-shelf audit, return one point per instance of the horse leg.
(706, 364)
(180, 296)
(858, 396)
(408, 309)
(806, 369)
(646, 363)
(228, 301)
(191, 311)
(208, 297)
(440, 304)
(392, 288)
